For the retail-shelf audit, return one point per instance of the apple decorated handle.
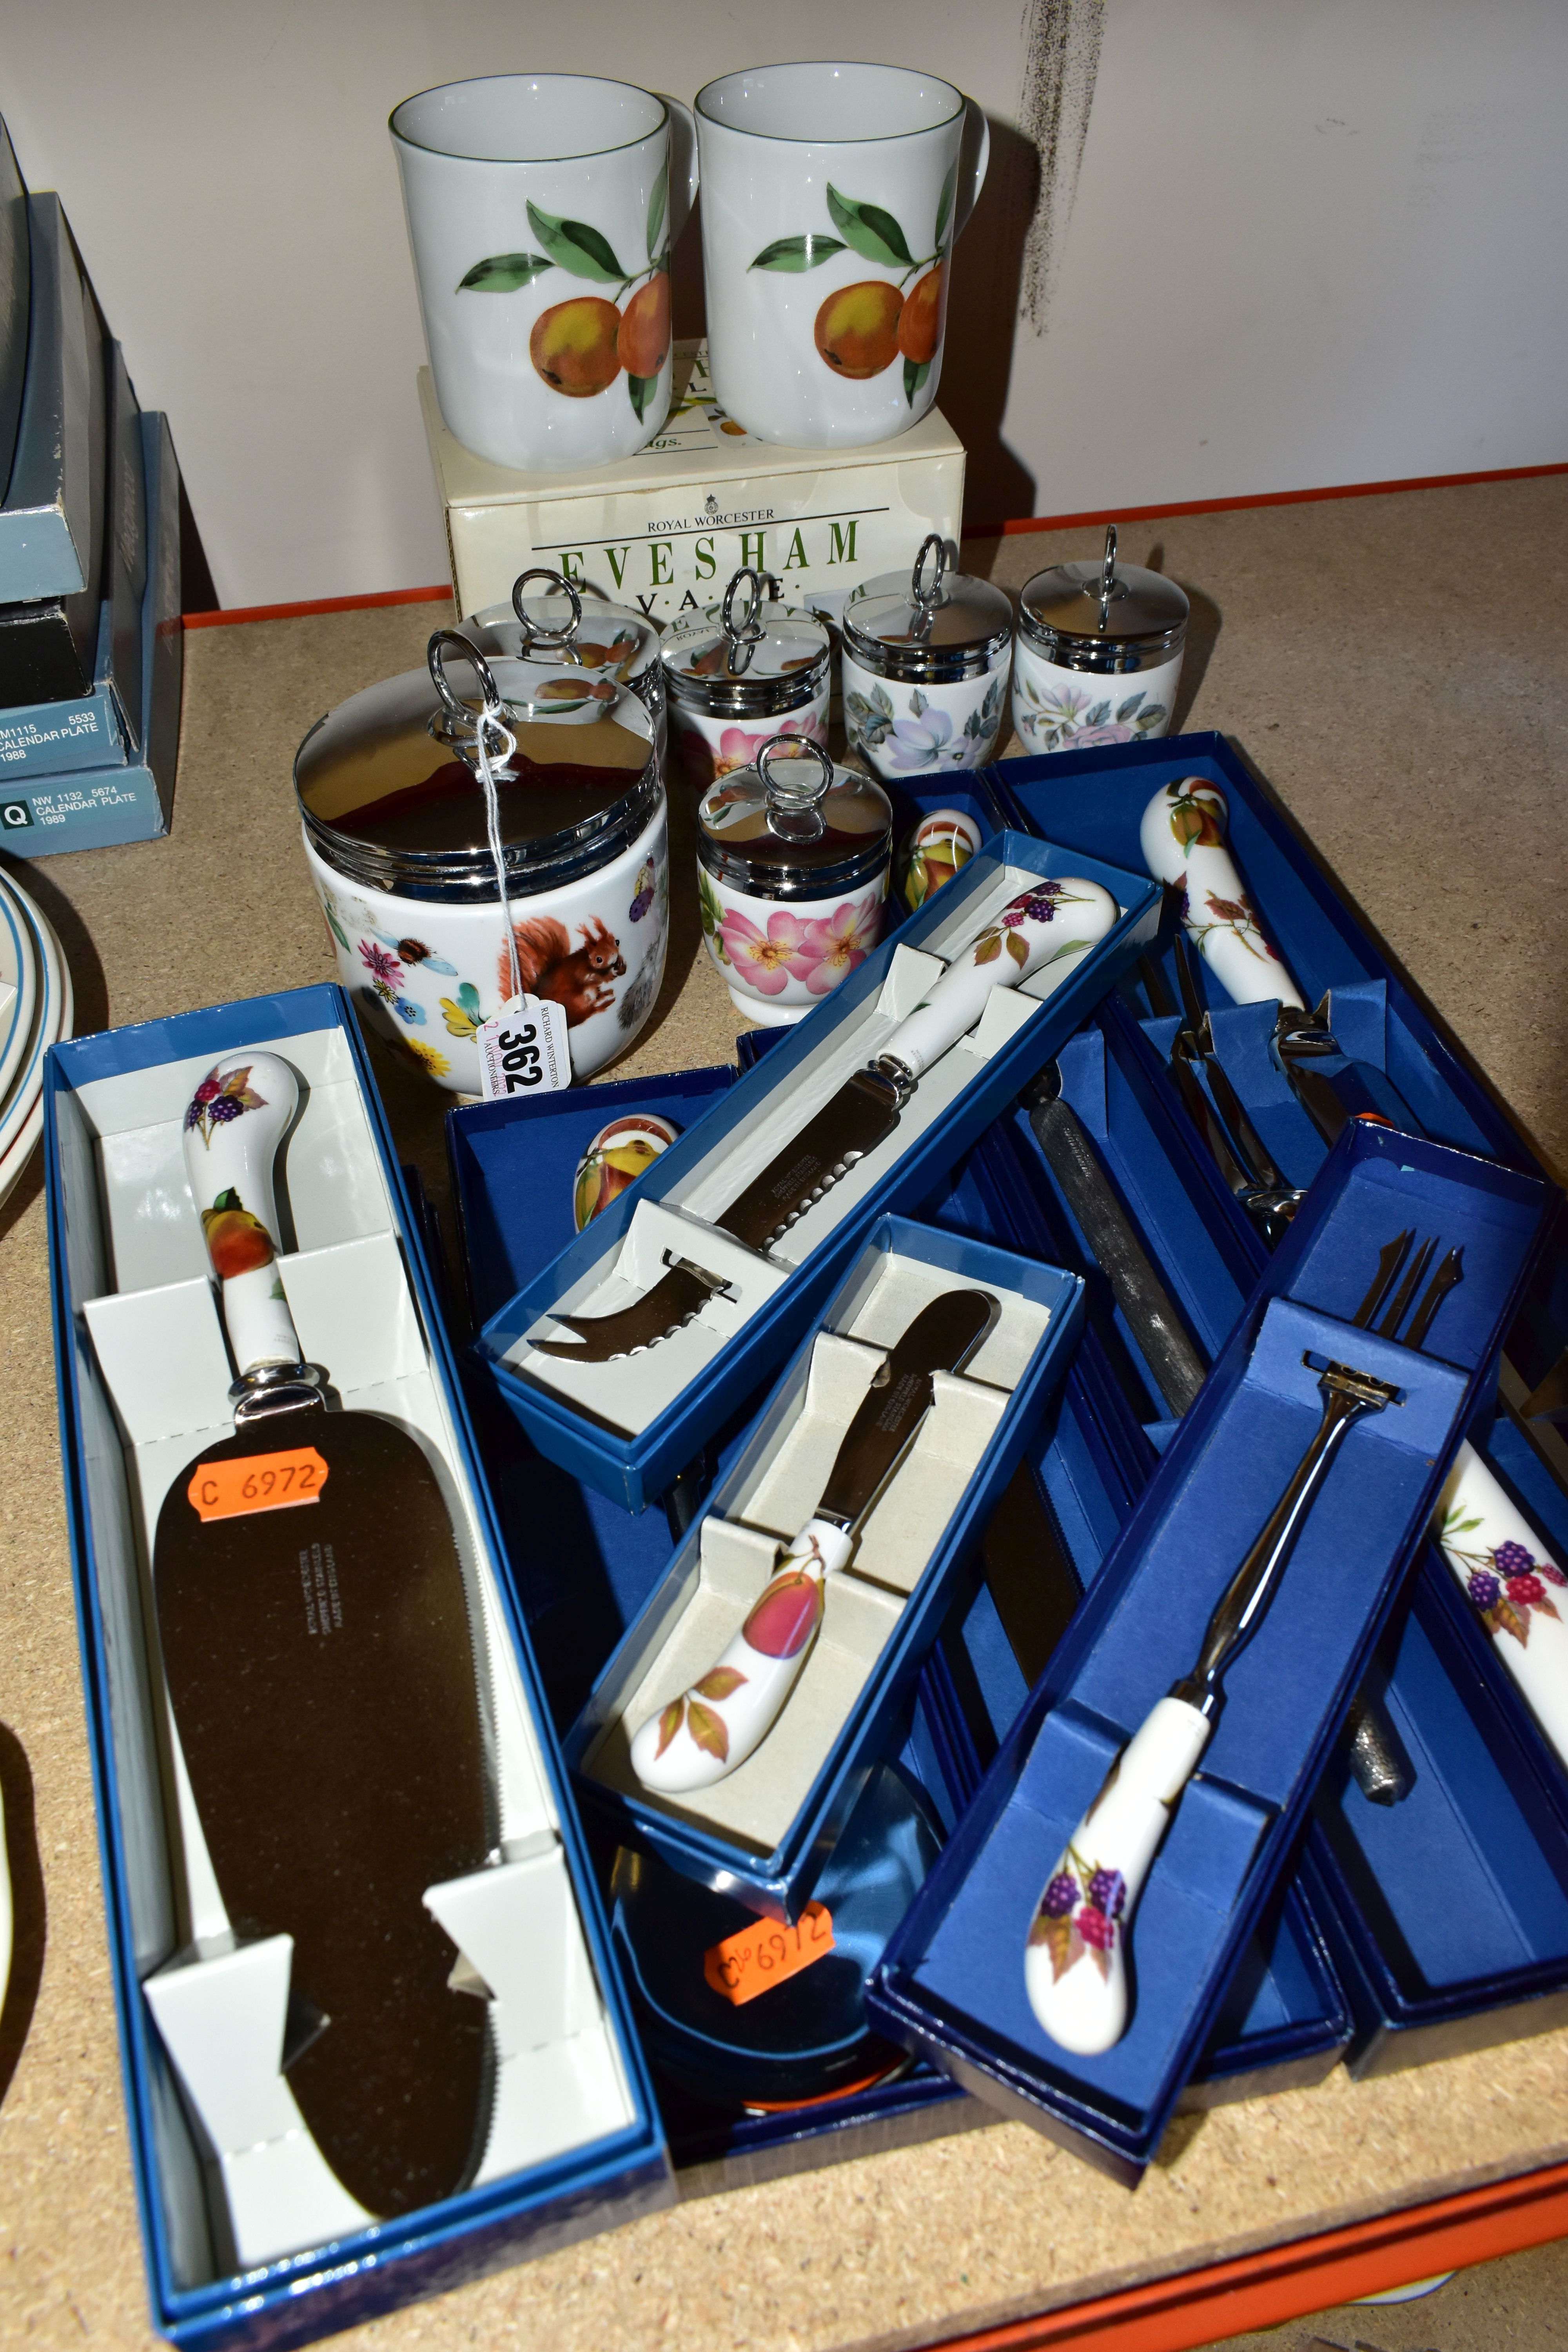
(1051, 923)
(1512, 1581)
(236, 1121)
(1074, 1969)
(704, 1734)
(1183, 839)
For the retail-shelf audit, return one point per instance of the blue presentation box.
(951, 1984)
(131, 1287)
(795, 1797)
(707, 1365)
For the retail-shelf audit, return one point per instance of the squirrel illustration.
(577, 979)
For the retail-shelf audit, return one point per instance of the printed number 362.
(520, 1060)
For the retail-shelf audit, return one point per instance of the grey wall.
(1308, 241)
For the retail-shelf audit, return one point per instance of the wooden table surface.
(1373, 659)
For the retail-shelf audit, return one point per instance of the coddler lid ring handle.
(462, 714)
(744, 635)
(555, 641)
(926, 601)
(794, 810)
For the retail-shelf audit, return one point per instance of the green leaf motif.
(642, 389)
(656, 205)
(944, 204)
(503, 273)
(707, 1730)
(918, 704)
(579, 250)
(797, 253)
(873, 233)
(1124, 710)
(915, 374)
(1016, 948)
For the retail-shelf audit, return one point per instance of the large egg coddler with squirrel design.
(397, 842)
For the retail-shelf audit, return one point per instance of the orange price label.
(257, 1481)
(765, 1954)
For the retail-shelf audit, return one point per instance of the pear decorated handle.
(1516, 1588)
(714, 1726)
(235, 1122)
(1075, 1963)
(1182, 838)
(1052, 923)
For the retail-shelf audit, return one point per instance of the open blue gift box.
(938, 1987)
(762, 1831)
(629, 1427)
(249, 2239)
(1421, 1990)
(585, 1568)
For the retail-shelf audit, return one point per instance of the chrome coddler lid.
(389, 790)
(793, 825)
(1103, 616)
(563, 625)
(927, 633)
(747, 658)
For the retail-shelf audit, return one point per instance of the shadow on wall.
(982, 319)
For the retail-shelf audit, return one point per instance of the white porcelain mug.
(831, 198)
(542, 209)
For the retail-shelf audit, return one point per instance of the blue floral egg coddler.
(925, 668)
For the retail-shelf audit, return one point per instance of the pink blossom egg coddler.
(793, 855)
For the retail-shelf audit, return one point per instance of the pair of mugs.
(542, 207)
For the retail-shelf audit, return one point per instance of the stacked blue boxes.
(90, 648)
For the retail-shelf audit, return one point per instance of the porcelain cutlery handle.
(1513, 1582)
(1075, 1965)
(1049, 924)
(1182, 838)
(236, 1121)
(715, 1725)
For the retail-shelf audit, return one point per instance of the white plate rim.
(19, 1024)
(56, 1007)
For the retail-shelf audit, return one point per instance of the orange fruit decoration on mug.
(574, 346)
(920, 324)
(643, 342)
(857, 328)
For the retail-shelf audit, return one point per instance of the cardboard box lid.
(699, 444)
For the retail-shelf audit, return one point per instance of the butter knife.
(720, 1720)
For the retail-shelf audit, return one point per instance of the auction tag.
(257, 1481)
(765, 1954)
(523, 1049)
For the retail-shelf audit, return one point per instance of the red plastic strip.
(1280, 2283)
(228, 615)
(1260, 499)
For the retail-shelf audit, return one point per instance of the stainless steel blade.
(1253, 1151)
(857, 1119)
(1408, 1283)
(1447, 1276)
(861, 1115)
(1390, 1258)
(1316, 1096)
(674, 1299)
(942, 1337)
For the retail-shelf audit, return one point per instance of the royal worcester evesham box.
(250, 2236)
(664, 530)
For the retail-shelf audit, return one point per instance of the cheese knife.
(1033, 931)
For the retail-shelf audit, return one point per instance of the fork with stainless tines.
(1075, 1961)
